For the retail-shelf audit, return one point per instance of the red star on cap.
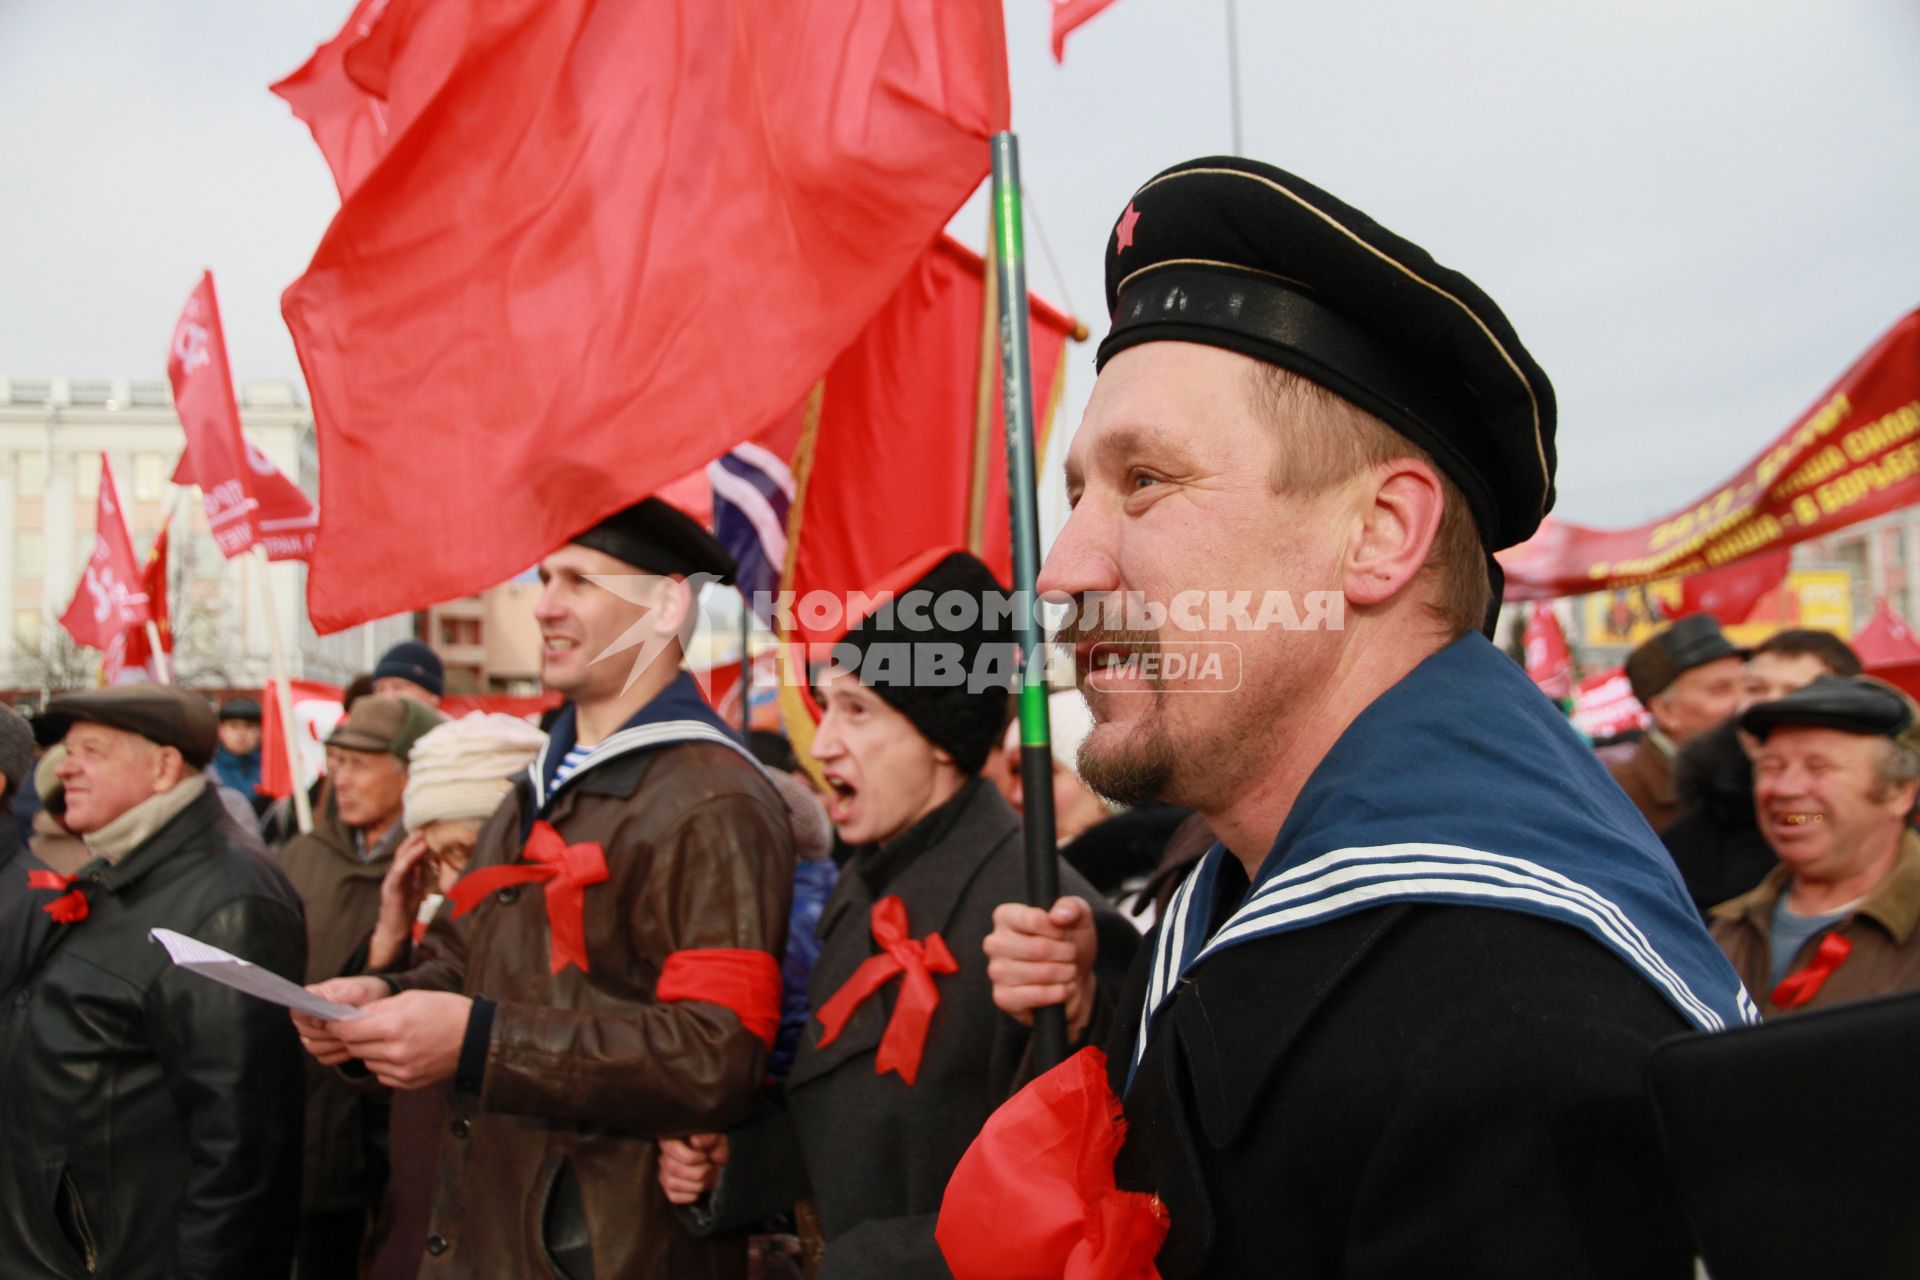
(1124, 230)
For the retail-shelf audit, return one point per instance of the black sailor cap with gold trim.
(1233, 253)
(655, 536)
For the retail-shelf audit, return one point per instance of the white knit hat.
(459, 770)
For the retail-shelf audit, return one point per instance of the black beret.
(966, 716)
(1693, 641)
(658, 537)
(1851, 704)
(1232, 253)
(240, 709)
(161, 713)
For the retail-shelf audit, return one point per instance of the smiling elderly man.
(150, 1120)
(1396, 1021)
(1834, 786)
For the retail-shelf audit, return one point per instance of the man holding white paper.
(150, 1123)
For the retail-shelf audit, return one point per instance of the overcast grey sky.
(1696, 214)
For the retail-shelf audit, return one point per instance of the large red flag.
(1853, 455)
(131, 656)
(603, 244)
(1068, 14)
(109, 600)
(247, 499)
(1731, 593)
(348, 123)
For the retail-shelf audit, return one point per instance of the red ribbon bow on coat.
(906, 1035)
(566, 869)
(70, 907)
(1804, 984)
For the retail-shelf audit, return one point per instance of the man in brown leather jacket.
(1688, 678)
(607, 972)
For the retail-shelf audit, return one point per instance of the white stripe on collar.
(627, 741)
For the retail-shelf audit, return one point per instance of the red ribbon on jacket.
(906, 1035)
(1034, 1196)
(70, 907)
(1804, 984)
(566, 869)
(736, 978)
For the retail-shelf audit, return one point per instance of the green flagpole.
(1036, 751)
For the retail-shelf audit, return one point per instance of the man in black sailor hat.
(607, 972)
(1394, 1023)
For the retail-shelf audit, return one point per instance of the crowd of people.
(1368, 952)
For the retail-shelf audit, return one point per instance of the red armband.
(745, 981)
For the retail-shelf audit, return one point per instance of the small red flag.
(109, 600)
(1549, 661)
(131, 656)
(602, 245)
(247, 499)
(1068, 14)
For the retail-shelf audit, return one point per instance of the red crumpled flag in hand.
(1034, 1197)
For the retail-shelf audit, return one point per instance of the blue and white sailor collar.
(1463, 784)
(676, 714)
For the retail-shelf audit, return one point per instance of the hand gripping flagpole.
(1036, 752)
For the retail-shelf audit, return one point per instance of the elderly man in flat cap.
(150, 1122)
(1395, 1021)
(338, 869)
(609, 971)
(1834, 787)
(1688, 677)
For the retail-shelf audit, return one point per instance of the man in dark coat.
(895, 1074)
(21, 921)
(1395, 1022)
(1688, 678)
(150, 1123)
(337, 868)
(609, 973)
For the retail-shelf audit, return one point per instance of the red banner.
(1854, 455)
(1068, 14)
(1730, 594)
(110, 600)
(248, 501)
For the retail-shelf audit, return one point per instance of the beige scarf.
(134, 827)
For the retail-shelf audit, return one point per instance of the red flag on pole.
(131, 656)
(1068, 14)
(603, 244)
(109, 600)
(247, 499)
(1730, 594)
(1549, 661)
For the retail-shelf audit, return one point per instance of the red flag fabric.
(603, 244)
(109, 600)
(316, 709)
(1604, 705)
(1854, 455)
(1730, 594)
(348, 123)
(1886, 640)
(1549, 661)
(1034, 1197)
(131, 656)
(1068, 14)
(247, 499)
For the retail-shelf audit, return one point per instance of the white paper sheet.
(212, 962)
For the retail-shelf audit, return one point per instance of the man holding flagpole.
(1395, 1022)
(609, 972)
